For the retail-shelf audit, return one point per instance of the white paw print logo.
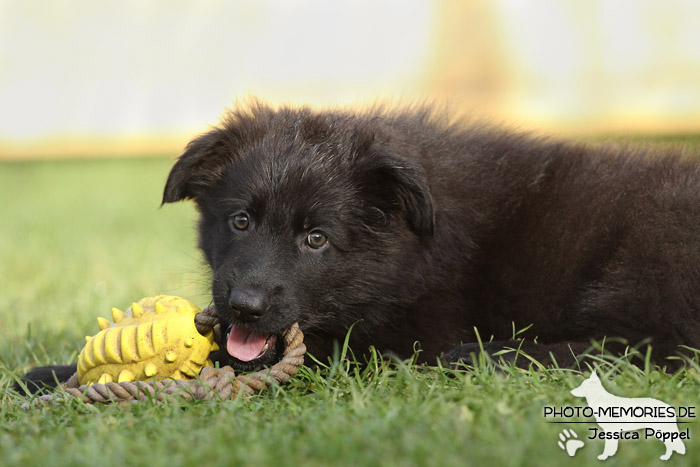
(569, 442)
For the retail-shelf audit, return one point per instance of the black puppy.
(420, 230)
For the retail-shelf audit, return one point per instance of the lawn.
(81, 236)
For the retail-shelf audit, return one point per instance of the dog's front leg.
(44, 377)
(609, 450)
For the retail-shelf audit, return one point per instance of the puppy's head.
(304, 216)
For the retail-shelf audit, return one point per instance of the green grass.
(79, 237)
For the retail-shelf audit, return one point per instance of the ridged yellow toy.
(154, 337)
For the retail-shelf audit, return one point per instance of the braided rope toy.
(166, 340)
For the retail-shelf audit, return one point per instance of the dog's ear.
(207, 156)
(394, 180)
(198, 167)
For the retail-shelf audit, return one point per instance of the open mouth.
(247, 345)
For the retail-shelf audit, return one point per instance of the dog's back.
(584, 243)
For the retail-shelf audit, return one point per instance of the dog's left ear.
(395, 181)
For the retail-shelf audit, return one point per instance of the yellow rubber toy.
(154, 337)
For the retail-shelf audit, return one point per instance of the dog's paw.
(569, 442)
(475, 354)
(461, 356)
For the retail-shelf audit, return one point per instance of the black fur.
(45, 377)
(438, 228)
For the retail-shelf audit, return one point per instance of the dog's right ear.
(193, 170)
(206, 157)
(199, 167)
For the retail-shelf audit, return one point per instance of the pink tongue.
(244, 344)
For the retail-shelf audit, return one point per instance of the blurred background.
(136, 77)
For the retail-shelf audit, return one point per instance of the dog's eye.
(239, 221)
(316, 239)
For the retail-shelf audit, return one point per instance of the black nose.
(247, 305)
